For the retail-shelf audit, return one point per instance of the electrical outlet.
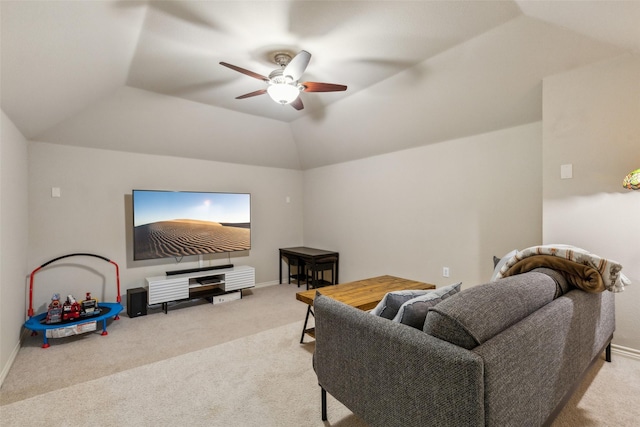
(445, 271)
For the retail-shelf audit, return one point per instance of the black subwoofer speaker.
(137, 302)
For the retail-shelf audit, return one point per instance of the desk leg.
(314, 281)
(280, 265)
(306, 320)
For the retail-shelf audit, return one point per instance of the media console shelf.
(203, 284)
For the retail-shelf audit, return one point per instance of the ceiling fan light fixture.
(283, 93)
(283, 83)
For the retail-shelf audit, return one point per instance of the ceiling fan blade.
(297, 104)
(297, 65)
(322, 87)
(247, 72)
(250, 94)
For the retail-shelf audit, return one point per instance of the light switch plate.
(566, 171)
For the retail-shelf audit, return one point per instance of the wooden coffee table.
(363, 294)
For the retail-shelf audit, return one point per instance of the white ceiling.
(145, 76)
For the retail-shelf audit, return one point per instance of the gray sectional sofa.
(505, 353)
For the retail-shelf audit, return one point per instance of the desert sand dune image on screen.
(183, 237)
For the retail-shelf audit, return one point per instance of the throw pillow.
(414, 311)
(497, 266)
(392, 301)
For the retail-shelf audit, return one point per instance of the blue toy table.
(107, 309)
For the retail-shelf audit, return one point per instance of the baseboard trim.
(265, 284)
(7, 366)
(631, 353)
(12, 357)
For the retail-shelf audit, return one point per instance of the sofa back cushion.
(562, 285)
(477, 314)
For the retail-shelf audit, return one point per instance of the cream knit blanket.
(610, 271)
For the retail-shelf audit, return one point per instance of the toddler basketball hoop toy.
(72, 318)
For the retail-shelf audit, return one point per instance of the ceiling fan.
(283, 86)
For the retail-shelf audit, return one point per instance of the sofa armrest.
(394, 375)
(529, 383)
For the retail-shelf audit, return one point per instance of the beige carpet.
(135, 342)
(260, 380)
(233, 364)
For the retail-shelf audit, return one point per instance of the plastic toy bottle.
(90, 306)
(70, 309)
(54, 312)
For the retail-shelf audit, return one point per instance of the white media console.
(200, 284)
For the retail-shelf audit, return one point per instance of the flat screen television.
(182, 223)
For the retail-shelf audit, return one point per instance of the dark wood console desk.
(309, 256)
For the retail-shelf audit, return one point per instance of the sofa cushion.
(392, 301)
(414, 311)
(562, 285)
(477, 314)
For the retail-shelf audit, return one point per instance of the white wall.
(592, 120)
(410, 213)
(13, 239)
(94, 213)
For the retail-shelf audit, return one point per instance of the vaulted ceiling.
(145, 77)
